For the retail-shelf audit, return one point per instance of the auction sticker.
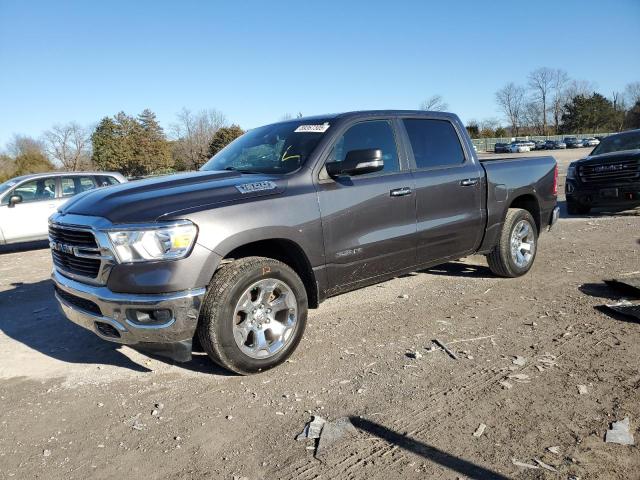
(312, 128)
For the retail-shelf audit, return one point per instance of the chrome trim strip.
(102, 293)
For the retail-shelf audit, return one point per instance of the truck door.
(369, 220)
(449, 190)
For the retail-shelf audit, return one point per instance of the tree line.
(135, 146)
(553, 103)
(550, 103)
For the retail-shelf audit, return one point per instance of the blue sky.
(257, 60)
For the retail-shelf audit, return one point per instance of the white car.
(27, 202)
(519, 147)
(590, 142)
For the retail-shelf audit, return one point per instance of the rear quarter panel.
(508, 179)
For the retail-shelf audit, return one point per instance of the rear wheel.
(515, 252)
(575, 208)
(253, 315)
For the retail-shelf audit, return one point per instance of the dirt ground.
(75, 407)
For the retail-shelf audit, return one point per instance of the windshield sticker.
(312, 128)
(256, 187)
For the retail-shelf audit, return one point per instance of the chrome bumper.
(185, 307)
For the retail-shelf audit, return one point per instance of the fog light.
(149, 317)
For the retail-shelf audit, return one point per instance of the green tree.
(473, 128)
(7, 167)
(151, 147)
(224, 137)
(132, 146)
(632, 119)
(112, 142)
(593, 113)
(26, 155)
(501, 132)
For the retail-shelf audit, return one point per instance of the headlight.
(169, 242)
(571, 171)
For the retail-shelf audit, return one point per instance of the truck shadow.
(433, 454)
(29, 314)
(599, 212)
(459, 269)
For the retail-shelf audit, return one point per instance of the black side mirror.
(357, 162)
(14, 199)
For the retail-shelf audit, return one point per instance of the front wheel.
(515, 252)
(254, 315)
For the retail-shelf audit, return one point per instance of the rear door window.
(73, 185)
(435, 143)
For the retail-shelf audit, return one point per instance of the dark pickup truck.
(608, 177)
(284, 217)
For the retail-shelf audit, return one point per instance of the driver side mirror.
(357, 162)
(14, 199)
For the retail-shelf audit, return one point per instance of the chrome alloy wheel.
(265, 318)
(523, 244)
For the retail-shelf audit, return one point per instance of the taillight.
(555, 180)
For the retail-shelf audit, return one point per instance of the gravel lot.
(74, 406)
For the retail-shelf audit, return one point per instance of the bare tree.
(489, 124)
(632, 93)
(286, 116)
(579, 87)
(541, 83)
(193, 133)
(619, 107)
(560, 80)
(69, 145)
(534, 117)
(435, 103)
(23, 144)
(510, 99)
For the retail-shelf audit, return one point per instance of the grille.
(81, 303)
(87, 267)
(624, 170)
(77, 238)
(66, 260)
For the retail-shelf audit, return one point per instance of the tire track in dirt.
(417, 423)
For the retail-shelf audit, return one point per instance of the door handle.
(469, 182)
(400, 192)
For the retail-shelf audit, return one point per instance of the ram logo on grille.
(62, 247)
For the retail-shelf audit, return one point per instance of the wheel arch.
(528, 202)
(286, 251)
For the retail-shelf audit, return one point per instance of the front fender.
(294, 218)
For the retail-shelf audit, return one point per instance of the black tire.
(575, 208)
(216, 323)
(500, 259)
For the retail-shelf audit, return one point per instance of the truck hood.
(611, 157)
(148, 200)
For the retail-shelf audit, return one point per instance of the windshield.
(7, 185)
(618, 143)
(279, 148)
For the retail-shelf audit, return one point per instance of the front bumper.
(626, 195)
(104, 312)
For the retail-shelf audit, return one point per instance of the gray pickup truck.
(284, 217)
